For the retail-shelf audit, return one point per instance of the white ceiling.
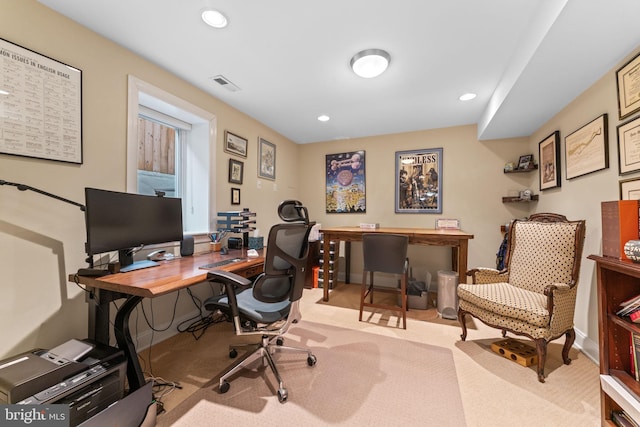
(526, 59)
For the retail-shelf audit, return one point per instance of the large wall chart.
(40, 106)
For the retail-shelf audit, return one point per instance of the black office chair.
(269, 305)
(385, 253)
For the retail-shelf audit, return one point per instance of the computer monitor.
(123, 221)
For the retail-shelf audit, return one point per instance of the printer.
(83, 374)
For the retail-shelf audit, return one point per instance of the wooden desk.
(458, 241)
(169, 276)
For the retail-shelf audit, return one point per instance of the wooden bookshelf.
(618, 281)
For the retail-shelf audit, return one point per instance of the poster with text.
(419, 181)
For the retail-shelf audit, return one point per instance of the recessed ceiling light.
(323, 118)
(214, 18)
(467, 96)
(370, 63)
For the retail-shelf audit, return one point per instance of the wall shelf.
(517, 199)
(535, 167)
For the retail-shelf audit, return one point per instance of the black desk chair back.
(268, 305)
(385, 253)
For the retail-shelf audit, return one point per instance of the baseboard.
(587, 346)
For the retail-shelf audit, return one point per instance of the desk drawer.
(251, 271)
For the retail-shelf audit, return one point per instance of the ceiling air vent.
(225, 83)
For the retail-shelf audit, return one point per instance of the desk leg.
(326, 257)
(98, 303)
(125, 343)
(461, 253)
(347, 262)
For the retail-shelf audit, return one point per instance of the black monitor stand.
(125, 257)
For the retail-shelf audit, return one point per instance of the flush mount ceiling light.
(370, 63)
(214, 18)
(467, 96)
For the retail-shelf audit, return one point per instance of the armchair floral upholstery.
(535, 294)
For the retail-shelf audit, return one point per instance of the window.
(168, 150)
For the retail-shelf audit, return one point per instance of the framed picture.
(628, 80)
(629, 146)
(266, 159)
(235, 144)
(525, 162)
(630, 189)
(40, 106)
(345, 184)
(235, 196)
(587, 149)
(236, 170)
(549, 155)
(418, 181)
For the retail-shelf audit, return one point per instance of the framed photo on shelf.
(525, 162)
(549, 155)
(629, 146)
(418, 181)
(345, 183)
(630, 189)
(234, 144)
(587, 149)
(236, 170)
(235, 196)
(628, 80)
(266, 159)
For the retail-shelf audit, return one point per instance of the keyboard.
(221, 263)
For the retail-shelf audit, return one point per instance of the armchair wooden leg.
(541, 347)
(463, 324)
(571, 337)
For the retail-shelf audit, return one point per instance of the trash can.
(447, 294)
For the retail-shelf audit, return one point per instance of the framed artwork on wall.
(345, 182)
(628, 81)
(549, 155)
(266, 159)
(587, 149)
(40, 106)
(235, 196)
(419, 181)
(629, 146)
(630, 189)
(236, 171)
(234, 144)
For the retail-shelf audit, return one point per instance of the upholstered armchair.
(535, 295)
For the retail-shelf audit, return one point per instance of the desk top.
(458, 234)
(171, 275)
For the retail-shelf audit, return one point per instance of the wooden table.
(458, 241)
(169, 276)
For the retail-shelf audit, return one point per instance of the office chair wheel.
(233, 353)
(311, 360)
(283, 395)
(279, 341)
(224, 387)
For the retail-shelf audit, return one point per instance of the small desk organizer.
(237, 222)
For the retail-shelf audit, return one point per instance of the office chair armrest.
(231, 282)
(229, 278)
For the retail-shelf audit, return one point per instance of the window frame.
(148, 95)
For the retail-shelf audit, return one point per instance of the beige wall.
(41, 240)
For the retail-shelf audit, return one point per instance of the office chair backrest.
(386, 253)
(286, 256)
